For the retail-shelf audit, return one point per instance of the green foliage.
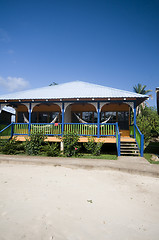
(148, 123)
(11, 147)
(141, 89)
(53, 84)
(71, 146)
(33, 145)
(152, 147)
(92, 147)
(52, 150)
(6, 132)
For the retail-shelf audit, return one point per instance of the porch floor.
(83, 139)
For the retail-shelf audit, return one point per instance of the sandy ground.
(47, 202)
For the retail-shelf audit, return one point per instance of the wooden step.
(129, 149)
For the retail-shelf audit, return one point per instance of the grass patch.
(101, 156)
(148, 158)
(152, 148)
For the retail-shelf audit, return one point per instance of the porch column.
(63, 110)
(29, 126)
(134, 119)
(98, 120)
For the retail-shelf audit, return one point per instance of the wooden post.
(61, 146)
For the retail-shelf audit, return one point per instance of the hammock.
(26, 120)
(54, 120)
(82, 121)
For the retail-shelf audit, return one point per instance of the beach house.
(89, 109)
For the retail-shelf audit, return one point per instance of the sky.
(114, 43)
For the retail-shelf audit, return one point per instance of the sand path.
(47, 202)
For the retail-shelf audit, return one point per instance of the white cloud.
(12, 84)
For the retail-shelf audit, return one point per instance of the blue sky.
(113, 43)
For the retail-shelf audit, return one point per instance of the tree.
(53, 84)
(148, 123)
(141, 90)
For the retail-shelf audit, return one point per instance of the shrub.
(33, 145)
(11, 147)
(71, 146)
(92, 147)
(52, 150)
(148, 123)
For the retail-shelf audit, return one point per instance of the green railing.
(131, 129)
(21, 129)
(46, 129)
(135, 132)
(81, 129)
(107, 129)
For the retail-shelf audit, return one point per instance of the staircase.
(129, 149)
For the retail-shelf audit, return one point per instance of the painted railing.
(21, 128)
(90, 129)
(117, 139)
(135, 132)
(107, 129)
(83, 129)
(47, 129)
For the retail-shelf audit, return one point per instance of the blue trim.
(20, 123)
(118, 142)
(134, 120)
(10, 125)
(19, 134)
(42, 123)
(29, 125)
(142, 145)
(63, 115)
(98, 120)
(6, 127)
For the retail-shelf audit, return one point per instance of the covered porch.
(84, 108)
(107, 122)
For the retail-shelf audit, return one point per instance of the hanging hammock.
(82, 121)
(27, 121)
(54, 120)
